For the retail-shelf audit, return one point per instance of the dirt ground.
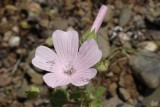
(130, 28)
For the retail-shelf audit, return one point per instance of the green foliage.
(99, 92)
(102, 66)
(32, 92)
(95, 95)
(98, 96)
(58, 98)
(95, 103)
(88, 35)
(75, 96)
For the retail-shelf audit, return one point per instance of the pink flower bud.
(100, 16)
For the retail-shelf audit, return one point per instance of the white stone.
(14, 41)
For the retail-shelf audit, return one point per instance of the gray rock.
(103, 43)
(153, 98)
(125, 94)
(113, 102)
(125, 16)
(146, 66)
(124, 105)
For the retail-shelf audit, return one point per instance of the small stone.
(113, 89)
(7, 36)
(110, 74)
(149, 45)
(113, 102)
(119, 4)
(49, 41)
(60, 23)
(34, 7)
(44, 23)
(28, 104)
(124, 105)
(125, 16)
(15, 29)
(12, 58)
(124, 94)
(15, 104)
(24, 24)
(5, 79)
(14, 41)
(152, 34)
(123, 37)
(21, 51)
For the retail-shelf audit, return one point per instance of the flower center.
(69, 70)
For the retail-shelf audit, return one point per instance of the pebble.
(148, 45)
(125, 16)
(44, 23)
(146, 67)
(5, 79)
(124, 94)
(15, 29)
(113, 102)
(14, 41)
(7, 36)
(34, 7)
(123, 37)
(113, 89)
(124, 105)
(60, 23)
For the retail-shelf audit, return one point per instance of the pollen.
(69, 71)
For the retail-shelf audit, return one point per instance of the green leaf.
(32, 92)
(89, 35)
(58, 98)
(76, 95)
(100, 91)
(102, 66)
(95, 103)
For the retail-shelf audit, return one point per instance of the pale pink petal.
(99, 19)
(44, 58)
(81, 78)
(88, 55)
(66, 45)
(56, 79)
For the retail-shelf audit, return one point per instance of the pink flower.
(100, 16)
(68, 64)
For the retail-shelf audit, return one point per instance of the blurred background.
(131, 29)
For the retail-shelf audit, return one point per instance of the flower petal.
(56, 79)
(44, 58)
(88, 55)
(66, 45)
(81, 78)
